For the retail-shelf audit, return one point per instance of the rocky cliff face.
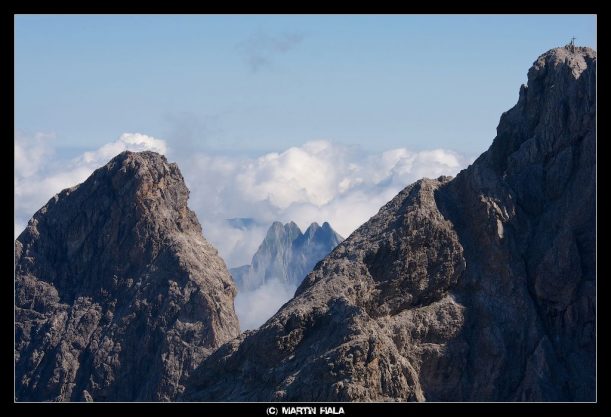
(286, 254)
(118, 295)
(478, 288)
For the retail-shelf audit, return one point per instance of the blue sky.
(272, 118)
(254, 84)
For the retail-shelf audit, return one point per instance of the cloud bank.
(316, 182)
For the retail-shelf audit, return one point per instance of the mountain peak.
(476, 288)
(292, 227)
(287, 254)
(560, 97)
(312, 229)
(276, 226)
(148, 156)
(145, 165)
(132, 290)
(568, 51)
(279, 232)
(576, 58)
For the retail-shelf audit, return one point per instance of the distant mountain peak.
(287, 254)
(292, 227)
(312, 229)
(315, 225)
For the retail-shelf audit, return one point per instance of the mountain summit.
(118, 294)
(477, 288)
(287, 255)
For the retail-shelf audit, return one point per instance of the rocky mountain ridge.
(477, 288)
(118, 295)
(480, 287)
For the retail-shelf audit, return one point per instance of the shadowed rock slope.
(118, 295)
(478, 288)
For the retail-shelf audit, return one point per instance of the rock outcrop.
(287, 255)
(477, 288)
(118, 295)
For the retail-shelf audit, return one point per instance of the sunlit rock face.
(118, 295)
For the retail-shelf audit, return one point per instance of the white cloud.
(38, 176)
(31, 153)
(255, 307)
(318, 181)
(303, 174)
(135, 142)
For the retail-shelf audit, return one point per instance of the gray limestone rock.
(477, 288)
(118, 295)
